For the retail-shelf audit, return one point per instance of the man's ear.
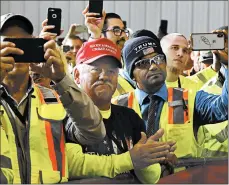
(76, 75)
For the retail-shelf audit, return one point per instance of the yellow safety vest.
(45, 157)
(213, 136)
(6, 172)
(203, 76)
(123, 87)
(176, 122)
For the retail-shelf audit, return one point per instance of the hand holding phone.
(54, 67)
(6, 62)
(33, 49)
(94, 25)
(54, 18)
(207, 41)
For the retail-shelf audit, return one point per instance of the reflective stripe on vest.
(202, 77)
(222, 135)
(5, 162)
(211, 153)
(176, 107)
(54, 133)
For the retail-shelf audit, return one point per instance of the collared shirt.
(144, 102)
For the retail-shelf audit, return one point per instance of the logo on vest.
(144, 46)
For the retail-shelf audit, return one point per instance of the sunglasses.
(146, 63)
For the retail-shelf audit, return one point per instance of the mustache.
(103, 83)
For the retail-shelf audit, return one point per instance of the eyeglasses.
(118, 31)
(146, 63)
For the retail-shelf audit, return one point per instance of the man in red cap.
(96, 72)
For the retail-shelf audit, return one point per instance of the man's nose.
(103, 75)
(180, 52)
(153, 67)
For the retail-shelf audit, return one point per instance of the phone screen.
(54, 18)
(96, 6)
(33, 49)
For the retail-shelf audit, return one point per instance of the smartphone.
(96, 6)
(164, 26)
(54, 18)
(66, 48)
(33, 49)
(81, 29)
(207, 41)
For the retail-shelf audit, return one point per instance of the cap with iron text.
(98, 48)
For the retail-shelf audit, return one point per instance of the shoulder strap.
(47, 95)
(123, 100)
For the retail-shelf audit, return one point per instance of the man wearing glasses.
(115, 30)
(172, 109)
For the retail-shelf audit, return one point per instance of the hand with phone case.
(7, 63)
(94, 25)
(45, 32)
(53, 68)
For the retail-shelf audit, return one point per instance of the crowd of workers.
(117, 103)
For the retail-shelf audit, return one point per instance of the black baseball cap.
(23, 22)
(136, 48)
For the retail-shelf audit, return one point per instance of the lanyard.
(184, 104)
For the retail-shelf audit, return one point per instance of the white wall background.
(183, 16)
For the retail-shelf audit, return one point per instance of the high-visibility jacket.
(174, 119)
(123, 86)
(6, 172)
(44, 151)
(203, 76)
(213, 136)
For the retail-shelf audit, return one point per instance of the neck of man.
(152, 90)
(17, 85)
(172, 74)
(103, 105)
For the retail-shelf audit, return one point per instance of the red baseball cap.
(98, 48)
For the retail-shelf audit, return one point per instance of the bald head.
(168, 39)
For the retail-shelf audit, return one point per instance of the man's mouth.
(177, 60)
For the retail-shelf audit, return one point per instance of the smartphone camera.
(54, 16)
(220, 35)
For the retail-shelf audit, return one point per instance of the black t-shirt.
(123, 129)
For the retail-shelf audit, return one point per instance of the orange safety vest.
(176, 119)
(45, 158)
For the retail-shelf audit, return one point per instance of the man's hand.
(221, 55)
(149, 151)
(7, 63)
(44, 32)
(94, 25)
(216, 65)
(53, 68)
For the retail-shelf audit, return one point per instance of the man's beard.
(174, 70)
(120, 43)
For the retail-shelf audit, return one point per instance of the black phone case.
(33, 49)
(54, 18)
(96, 6)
